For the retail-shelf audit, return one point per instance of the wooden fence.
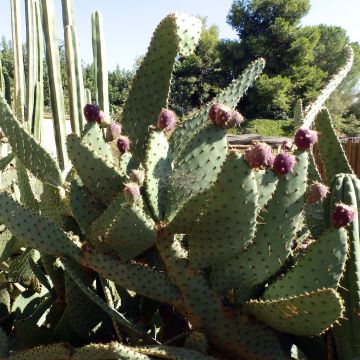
(351, 147)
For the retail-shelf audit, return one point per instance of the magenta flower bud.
(166, 120)
(132, 193)
(123, 144)
(304, 138)
(284, 163)
(343, 215)
(259, 156)
(113, 131)
(92, 112)
(317, 192)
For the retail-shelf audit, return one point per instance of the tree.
(299, 60)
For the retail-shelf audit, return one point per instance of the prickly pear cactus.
(151, 223)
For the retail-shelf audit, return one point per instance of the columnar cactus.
(147, 216)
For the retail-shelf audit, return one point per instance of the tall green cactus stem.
(346, 188)
(312, 109)
(332, 153)
(74, 69)
(55, 82)
(39, 86)
(31, 59)
(19, 81)
(68, 12)
(177, 34)
(101, 75)
(2, 80)
(87, 96)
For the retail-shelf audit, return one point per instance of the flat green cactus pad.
(304, 315)
(135, 277)
(172, 352)
(125, 229)
(229, 97)
(158, 167)
(27, 149)
(266, 185)
(93, 136)
(98, 175)
(198, 169)
(176, 34)
(332, 153)
(322, 267)
(276, 228)
(229, 220)
(84, 205)
(34, 230)
(49, 352)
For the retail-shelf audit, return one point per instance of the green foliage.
(267, 127)
(299, 59)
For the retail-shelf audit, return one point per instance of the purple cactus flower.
(259, 156)
(92, 112)
(166, 120)
(113, 131)
(284, 163)
(123, 144)
(343, 215)
(304, 138)
(132, 193)
(137, 177)
(317, 192)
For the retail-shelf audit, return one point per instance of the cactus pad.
(304, 315)
(176, 34)
(229, 220)
(98, 175)
(25, 147)
(158, 167)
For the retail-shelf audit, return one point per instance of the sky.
(128, 25)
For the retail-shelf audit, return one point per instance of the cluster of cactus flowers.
(173, 227)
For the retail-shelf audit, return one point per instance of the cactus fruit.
(343, 215)
(317, 192)
(92, 112)
(123, 144)
(284, 163)
(166, 120)
(113, 131)
(224, 117)
(305, 138)
(259, 156)
(132, 193)
(213, 112)
(137, 177)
